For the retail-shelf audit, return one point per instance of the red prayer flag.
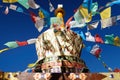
(33, 16)
(117, 70)
(23, 43)
(97, 52)
(98, 39)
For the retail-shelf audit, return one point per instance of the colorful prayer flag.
(88, 48)
(84, 12)
(19, 9)
(106, 13)
(24, 3)
(89, 37)
(113, 3)
(87, 4)
(108, 22)
(118, 17)
(31, 41)
(44, 14)
(12, 44)
(98, 39)
(13, 7)
(96, 51)
(51, 8)
(9, 1)
(117, 41)
(109, 39)
(39, 24)
(75, 24)
(32, 4)
(23, 43)
(6, 10)
(94, 8)
(93, 25)
(33, 16)
(82, 35)
(78, 17)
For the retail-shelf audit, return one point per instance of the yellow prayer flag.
(4, 50)
(106, 13)
(9, 1)
(87, 16)
(117, 41)
(32, 65)
(41, 15)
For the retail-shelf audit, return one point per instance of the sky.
(19, 26)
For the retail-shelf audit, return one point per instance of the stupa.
(59, 49)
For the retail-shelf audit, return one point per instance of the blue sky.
(18, 26)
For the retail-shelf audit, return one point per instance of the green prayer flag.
(94, 8)
(11, 44)
(78, 17)
(24, 3)
(109, 39)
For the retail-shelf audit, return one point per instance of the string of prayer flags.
(105, 65)
(15, 44)
(96, 50)
(40, 21)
